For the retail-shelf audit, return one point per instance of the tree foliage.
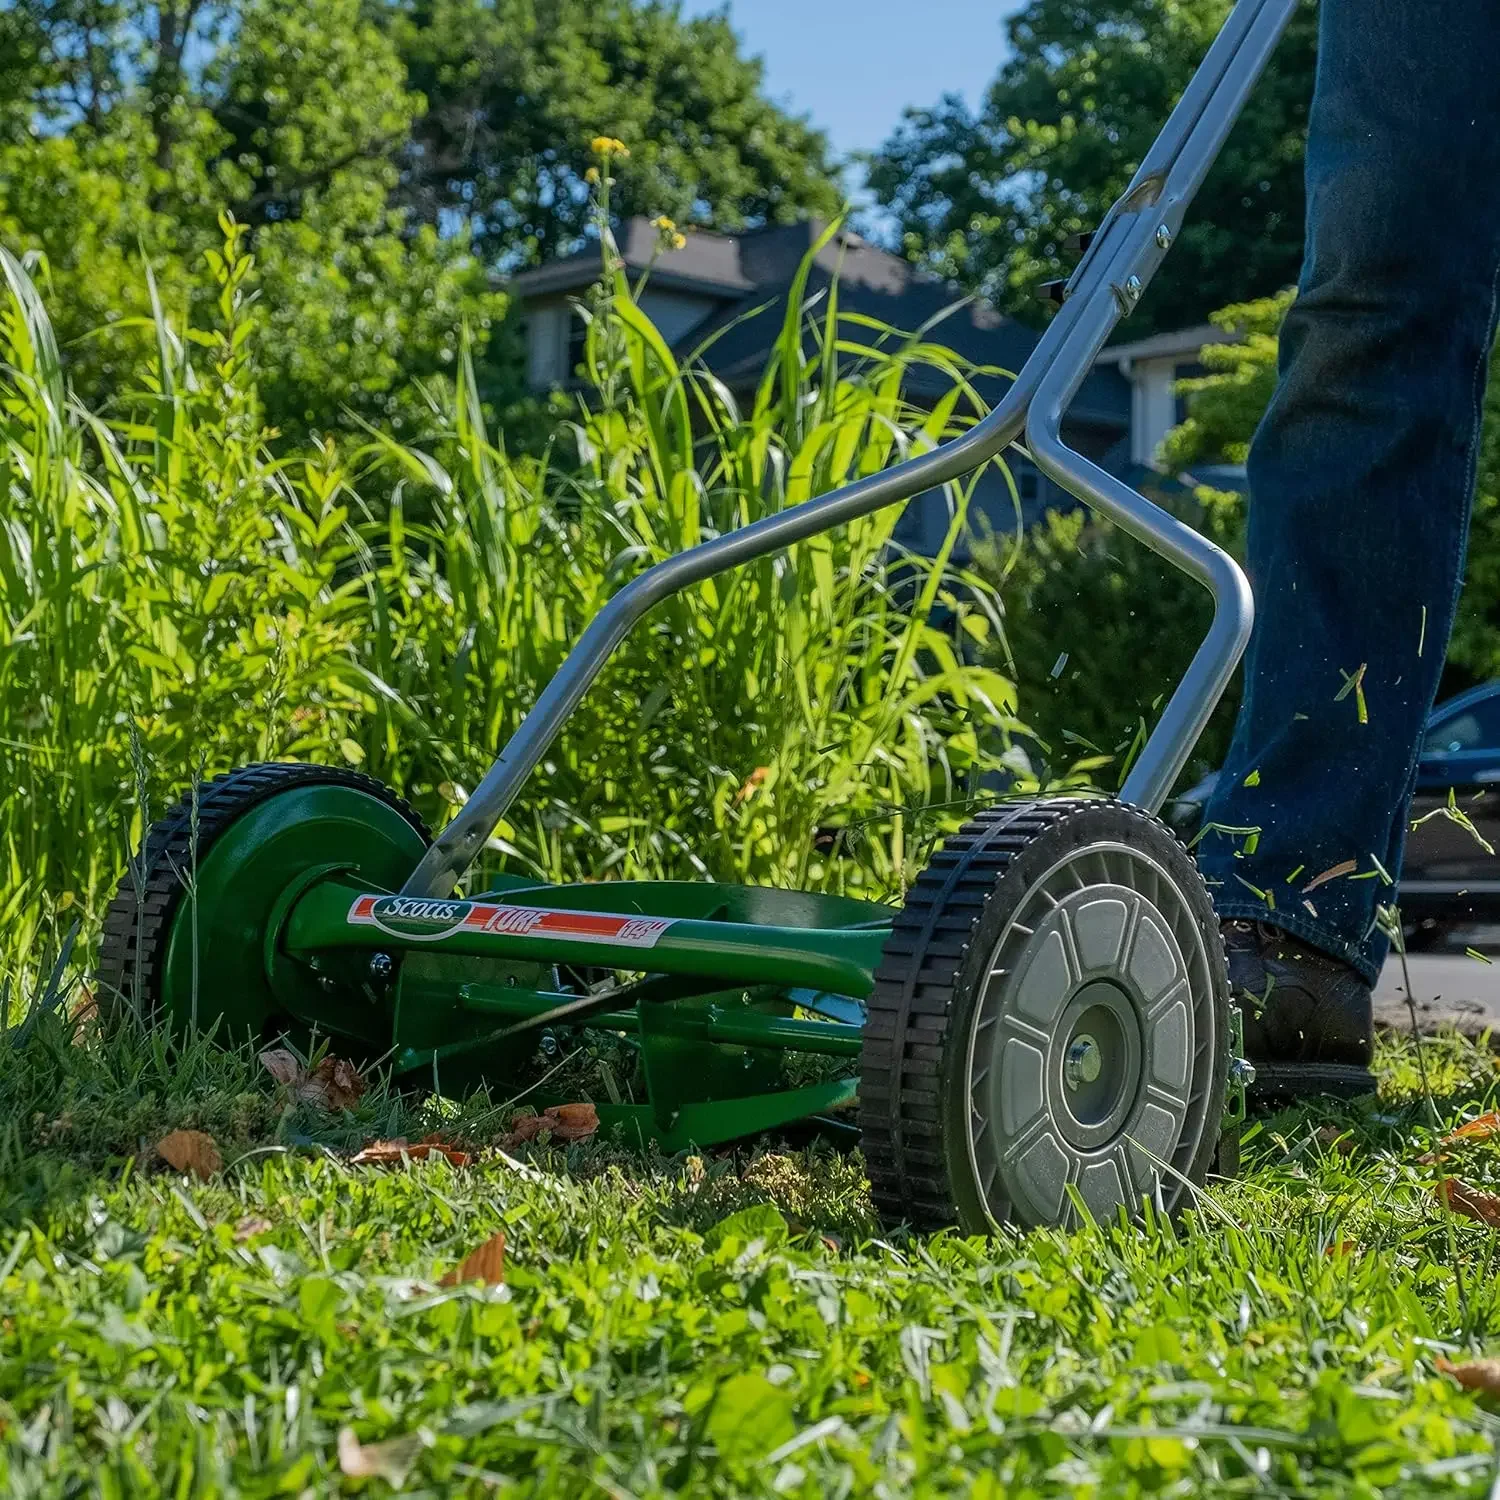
(987, 196)
(387, 158)
(517, 88)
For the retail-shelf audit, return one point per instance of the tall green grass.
(180, 591)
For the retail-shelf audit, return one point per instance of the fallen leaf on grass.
(85, 1013)
(393, 1153)
(1459, 1198)
(565, 1122)
(190, 1151)
(250, 1226)
(1340, 1247)
(486, 1264)
(1480, 1129)
(335, 1084)
(1473, 1375)
(1336, 1138)
(391, 1460)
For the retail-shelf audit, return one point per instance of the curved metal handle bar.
(1124, 255)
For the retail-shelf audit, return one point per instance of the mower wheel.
(1049, 1025)
(258, 830)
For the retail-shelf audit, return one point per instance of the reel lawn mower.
(1045, 1022)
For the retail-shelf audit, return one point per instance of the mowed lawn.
(735, 1324)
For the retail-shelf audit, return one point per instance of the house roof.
(707, 262)
(750, 275)
(1176, 341)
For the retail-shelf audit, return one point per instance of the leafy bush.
(1098, 632)
(179, 598)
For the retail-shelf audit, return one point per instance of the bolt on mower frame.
(1045, 1018)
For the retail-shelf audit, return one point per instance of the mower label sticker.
(410, 916)
(427, 921)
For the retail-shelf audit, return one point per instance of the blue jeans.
(1362, 471)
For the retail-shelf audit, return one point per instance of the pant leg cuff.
(1358, 956)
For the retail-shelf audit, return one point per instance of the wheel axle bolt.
(1241, 1071)
(1164, 237)
(382, 966)
(1084, 1062)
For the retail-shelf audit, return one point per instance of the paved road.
(1450, 986)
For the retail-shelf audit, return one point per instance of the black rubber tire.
(138, 920)
(914, 1087)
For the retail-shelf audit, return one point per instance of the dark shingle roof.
(750, 276)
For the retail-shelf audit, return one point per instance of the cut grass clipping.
(333, 1308)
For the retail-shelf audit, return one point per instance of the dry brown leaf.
(282, 1065)
(1478, 1129)
(1340, 1247)
(1335, 1138)
(1347, 867)
(1473, 1375)
(391, 1460)
(575, 1122)
(1458, 1197)
(333, 1085)
(250, 1226)
(86, 1012)
(393, 1153)
(190, 1151)
(486, 1264)
(564, 1122)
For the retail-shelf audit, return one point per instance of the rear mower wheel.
(1051, 1011)
(259, 829)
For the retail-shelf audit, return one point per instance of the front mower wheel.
(1050, 1017)
(259, 830)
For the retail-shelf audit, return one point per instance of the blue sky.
(854, 65)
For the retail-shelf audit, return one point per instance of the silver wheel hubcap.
(1093, 1045)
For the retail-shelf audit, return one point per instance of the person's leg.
(1362, 471)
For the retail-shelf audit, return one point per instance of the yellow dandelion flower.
(678, 241)
(592, 176)
(607, 145)
(663, 223)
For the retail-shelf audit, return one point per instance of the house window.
(577, 338)
(546, 347)
(1028, 483)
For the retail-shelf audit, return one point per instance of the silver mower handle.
(1106, 286)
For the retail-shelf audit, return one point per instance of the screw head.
(1133, 288)
(1241, 1071)
(382, 966)
(1084, 1062)
(547, 1044)
(1164, 237)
